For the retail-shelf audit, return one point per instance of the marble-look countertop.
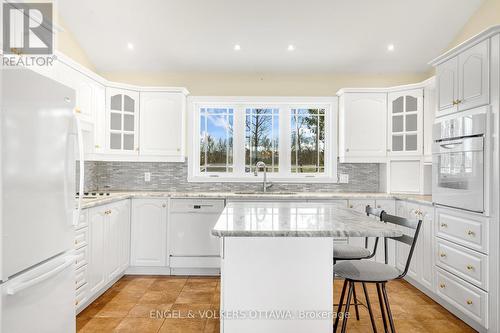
(297, 219)
(117, 196)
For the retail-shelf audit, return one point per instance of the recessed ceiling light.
(237, 47)
(130, 46)
(291, 47)
(390, 47)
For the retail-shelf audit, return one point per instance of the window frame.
(285, 105)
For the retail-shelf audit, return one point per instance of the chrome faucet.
(262, 165)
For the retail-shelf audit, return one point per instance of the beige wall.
(487, 15)
(67, 44)
(263, 84)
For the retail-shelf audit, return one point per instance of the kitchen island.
(277, 263)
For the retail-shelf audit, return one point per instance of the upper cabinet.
(463, 81)
(160, 111)
(122, 108)
(405, 121)
(362, 127)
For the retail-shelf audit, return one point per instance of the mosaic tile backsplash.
(129, 176)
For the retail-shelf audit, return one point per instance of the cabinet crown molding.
(485, 34)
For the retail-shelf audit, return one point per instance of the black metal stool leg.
(348, 303)
(369, 308)
(381, 302)
(355, 300)
(339, 308)
(389, 312)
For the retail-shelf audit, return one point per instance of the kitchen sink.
(266, 193)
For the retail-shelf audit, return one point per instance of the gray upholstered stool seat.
(366, 271)
(350, 252)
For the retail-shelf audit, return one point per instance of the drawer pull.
(442, 255)
(470, 267)
(444, 225)
(351, 206)
(469, 302)
(442, 286)
(76, 302)
(471, 233)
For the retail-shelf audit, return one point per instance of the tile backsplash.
(129, 176)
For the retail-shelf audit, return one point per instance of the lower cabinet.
(108, 246)
(149, 233)
(421, 266)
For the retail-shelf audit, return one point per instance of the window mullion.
(285, 148)
(239, 140)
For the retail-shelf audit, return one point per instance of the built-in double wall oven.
(458, 160)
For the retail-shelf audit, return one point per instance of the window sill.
(259, 179)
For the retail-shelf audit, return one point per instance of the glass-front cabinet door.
(405, 122)
(122, 120)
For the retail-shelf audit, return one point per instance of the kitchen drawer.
(196, 205)
(82, 295)
(466, 229)
(81, 257)
(83, 220)
(81, 237)
(470, 265)
(471, 300)
(81, 277)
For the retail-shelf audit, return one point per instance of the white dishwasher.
(192, 245)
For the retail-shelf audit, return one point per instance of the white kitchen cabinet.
(97, 243)
(463, 81)
(109, 234)
(122, 119)
(405, 123)
(421, 268)
(100, 120)
(117, 238)
(473, 76)
(362, 127)
(158, 111)
(447, 83)
(430, 109)
(149, 232)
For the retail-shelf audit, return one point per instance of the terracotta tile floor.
(129, 304)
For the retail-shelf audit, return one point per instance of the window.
(122, 122)
(308, 140)
(262, 136)
(216, 140)
(294, 137)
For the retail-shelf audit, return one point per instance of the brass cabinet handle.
(351, 206)
(471, 233)
(442, 255)
(97, 146)
(444, 225)
(442, 285)
(164, 205)
(469, 302)
(459, 101)
(470, 267)
(347, 150)
(77, 110)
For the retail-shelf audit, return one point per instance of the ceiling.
(348, 36)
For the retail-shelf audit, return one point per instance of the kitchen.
(223, 179)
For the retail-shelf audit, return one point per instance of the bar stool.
(353, 252)
(375, 272)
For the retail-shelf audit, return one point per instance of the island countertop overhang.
(297, 219)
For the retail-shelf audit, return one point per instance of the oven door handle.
(451, 145)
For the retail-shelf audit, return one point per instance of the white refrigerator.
(37, 204)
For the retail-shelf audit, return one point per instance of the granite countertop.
(297, 219)
(116, 196)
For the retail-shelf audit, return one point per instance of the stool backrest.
(369, 210)
(409, 240)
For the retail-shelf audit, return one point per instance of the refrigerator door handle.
(82, 171)
(12, 290)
